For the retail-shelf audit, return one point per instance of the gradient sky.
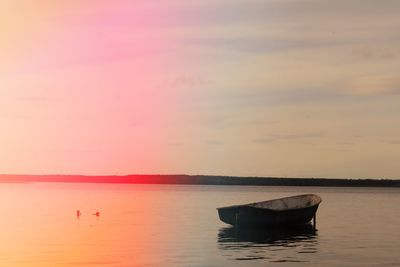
(267, 88)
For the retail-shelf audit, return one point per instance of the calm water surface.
(177, 225)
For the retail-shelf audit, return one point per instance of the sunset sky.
(253, 87)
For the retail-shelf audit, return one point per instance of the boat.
(283, 212)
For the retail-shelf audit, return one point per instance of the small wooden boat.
(282, 212)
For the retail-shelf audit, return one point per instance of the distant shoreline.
(201, 180)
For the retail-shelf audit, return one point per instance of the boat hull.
(251, 215)
(261, 217)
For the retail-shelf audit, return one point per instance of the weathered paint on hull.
(253, 216)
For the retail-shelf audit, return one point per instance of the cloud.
(214, 142)
(38, 99)
(255, 98)
(373, 85)
(261, 44)
(226, 12)
(189, 81)
(272, 25)
(264, 140)
(393, 141)
(282, 137)
(374, 53)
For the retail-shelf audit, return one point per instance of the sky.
(295, 88)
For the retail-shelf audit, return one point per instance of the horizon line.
(202, 175)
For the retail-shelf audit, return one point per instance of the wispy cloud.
(374, 53)
(393, 141)
(189, 81)
(255, 98)
(263, 25)
(38, 99)
(373, 85)
(264, 140)
(282, 137)
(261, 44)
(214, 142)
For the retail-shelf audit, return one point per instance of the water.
(177, 225)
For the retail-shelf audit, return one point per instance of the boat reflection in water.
(276, 245)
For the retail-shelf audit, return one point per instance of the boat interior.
(295, 202)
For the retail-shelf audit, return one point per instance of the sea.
(178, 225)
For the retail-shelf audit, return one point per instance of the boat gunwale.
(251, 205)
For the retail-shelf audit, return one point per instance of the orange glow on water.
(50, 232)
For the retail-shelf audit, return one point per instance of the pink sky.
(86, 88)
(264, 88)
